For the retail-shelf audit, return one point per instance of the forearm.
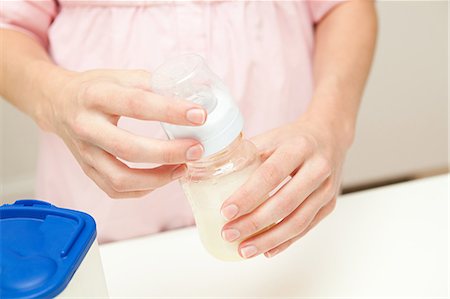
(28, 76)
(344, 46)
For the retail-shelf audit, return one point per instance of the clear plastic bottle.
(209, 183)
(228, 159)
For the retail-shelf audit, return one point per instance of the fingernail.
(272, 253)
(230, 234)
(179, 172)
(248, 251)
(229, 211)
(194, 152)
(196, 116)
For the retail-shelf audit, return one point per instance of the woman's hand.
(311, 153)
(85, 112)
(313, 149)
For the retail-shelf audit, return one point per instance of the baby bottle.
(228, 159)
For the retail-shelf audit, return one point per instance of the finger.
(100, 181)
(133, 148)
(122, 178)
(79, 151)
(115, 99)
(323, 212)
(267, 141)
(288, 228)
(266, 178)
(133, 78)
(311, 175)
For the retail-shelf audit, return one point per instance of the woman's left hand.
(309, 151)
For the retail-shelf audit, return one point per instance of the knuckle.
(323, 167)
(291, 152)
(80, 126)
(87, 92)
(301, 223)
(271, 174)
(244, 199)
(119, 182)
(83, 151)
(252, 224)
(169, 155)
(284, 206)
(86, 155)
(119, 149)
(300, 142)
(96, 94)
(134, 103)
(123, 150)
(92, 94)
(89, 171)
(171, 113)
(303, 144)
(245, 193)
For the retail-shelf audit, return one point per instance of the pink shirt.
(262, 50)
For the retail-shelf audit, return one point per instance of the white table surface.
(385, 242)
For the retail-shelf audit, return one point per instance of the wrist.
(337, 121)
(48, 80)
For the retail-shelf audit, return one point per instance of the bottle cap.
(42, 246)
(188, 77)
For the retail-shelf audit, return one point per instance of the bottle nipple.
(188, 77)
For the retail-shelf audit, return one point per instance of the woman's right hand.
(85, 111)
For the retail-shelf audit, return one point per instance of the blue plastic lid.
(41, 246)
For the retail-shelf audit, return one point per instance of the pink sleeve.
(32, 17)
(319, 8)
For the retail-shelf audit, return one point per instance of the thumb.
(264, 142)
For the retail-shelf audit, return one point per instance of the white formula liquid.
(206, 198)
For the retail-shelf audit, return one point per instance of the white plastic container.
(49, 252)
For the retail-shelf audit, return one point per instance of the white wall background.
(403, 123)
